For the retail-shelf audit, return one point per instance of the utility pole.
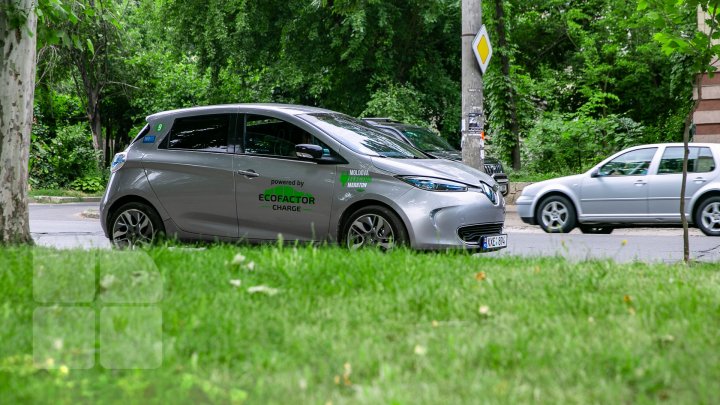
(473, 116)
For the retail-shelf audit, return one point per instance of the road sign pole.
(473, 116)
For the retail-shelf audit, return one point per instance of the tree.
(88, 42)
(701, 47)
(18, 26)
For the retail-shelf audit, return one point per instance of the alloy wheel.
(132, 228)
(710, 217)
(554, 215)
(370, 230)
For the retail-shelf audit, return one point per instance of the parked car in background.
(251, 172)
(638, 186)
(436, 146)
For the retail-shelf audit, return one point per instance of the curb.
(44, 199)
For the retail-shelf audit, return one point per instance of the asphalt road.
(63, 226)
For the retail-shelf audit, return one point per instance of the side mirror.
(308, 151)
(595, 173)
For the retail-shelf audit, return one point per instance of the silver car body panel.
(234, 196)
(634, 199)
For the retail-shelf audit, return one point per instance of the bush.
(575, 142)
(88, 184)
(399, 102)
(57, 162)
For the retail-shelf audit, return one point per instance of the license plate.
(494, 242)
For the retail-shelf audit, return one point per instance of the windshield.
(426, 140)
(361, 137)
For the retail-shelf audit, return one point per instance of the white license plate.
(494, 242)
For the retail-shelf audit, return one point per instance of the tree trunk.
(683, 186)
(505, 65)
(17, 81)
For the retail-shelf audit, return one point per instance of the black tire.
(134, 224)
(595, 229)
(707, 217)
(556, 214)
(373, 226)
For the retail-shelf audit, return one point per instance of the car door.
(192, 175)
(276, 192)
(664, 191)
(618, 190)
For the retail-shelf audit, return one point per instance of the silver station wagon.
(638, 186)
(253, 172)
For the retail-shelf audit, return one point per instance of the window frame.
(698, 148)
(647, 169)
(241, 139)
(229, 138)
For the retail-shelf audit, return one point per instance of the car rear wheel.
(374, 226)
(708, 216)
(135, 224)
(594, 229)
(556, 214)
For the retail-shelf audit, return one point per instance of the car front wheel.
(708, 217)
(374, 226)
(134, 224)
(556, 214)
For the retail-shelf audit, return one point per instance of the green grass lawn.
(51, 192)
(364, 327)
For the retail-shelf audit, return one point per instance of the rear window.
(142, 133)
(700, 160)
(208, 133)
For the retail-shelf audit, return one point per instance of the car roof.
(652, 145)
(291, 109)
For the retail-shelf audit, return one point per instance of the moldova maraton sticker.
(356, 178)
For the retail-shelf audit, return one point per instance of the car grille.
(491, 168)
(473, 233)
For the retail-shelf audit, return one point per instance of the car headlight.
(490, 191)
(433, 184)
(118, 162)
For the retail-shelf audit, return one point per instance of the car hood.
(438, 168)
(455, 155)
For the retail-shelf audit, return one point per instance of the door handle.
(640, 183)
(699, 180)
(248, 173)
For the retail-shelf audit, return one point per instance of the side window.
(208, 133)
(275, 137)
(634, 163)
(700, 160)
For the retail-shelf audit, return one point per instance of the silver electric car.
(639, 186)
(253, 172)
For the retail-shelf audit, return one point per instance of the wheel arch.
(554, 193)
(699, 201)
(352, 208)
(124, 200)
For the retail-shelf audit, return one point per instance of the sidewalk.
(44, 199)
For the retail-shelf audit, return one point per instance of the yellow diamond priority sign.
(482, 48)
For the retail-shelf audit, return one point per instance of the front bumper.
(437, 220)
(524, 209)
(502, 180)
